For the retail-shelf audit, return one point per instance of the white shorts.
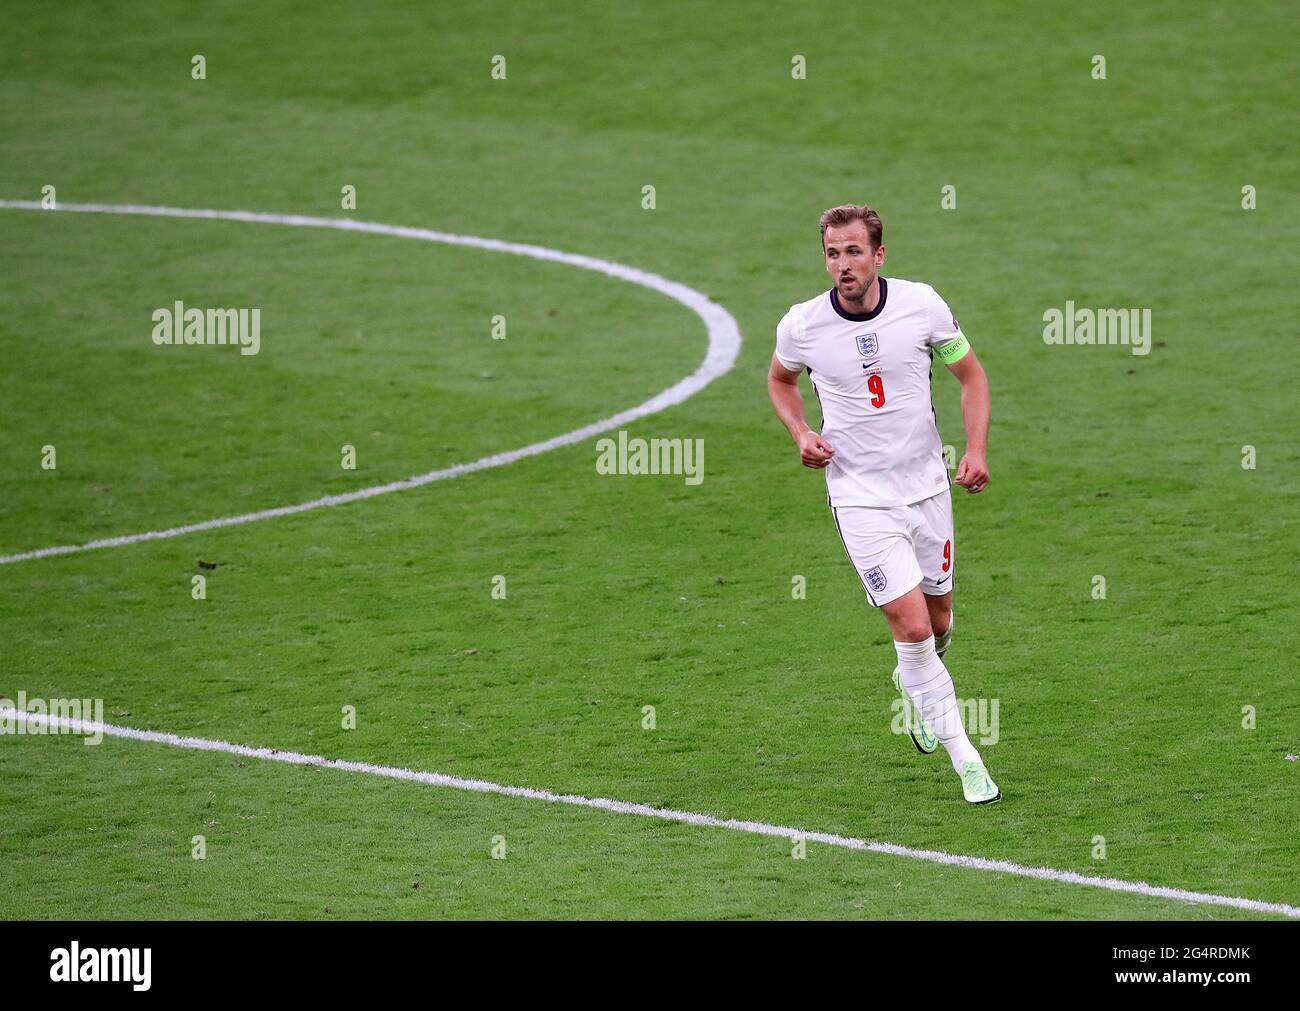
(895, 549)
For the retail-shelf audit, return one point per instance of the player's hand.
(972, 473)
(814, 451)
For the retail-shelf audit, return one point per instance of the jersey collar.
(861, 317)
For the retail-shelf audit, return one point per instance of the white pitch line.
(723, 334)
(645, 810)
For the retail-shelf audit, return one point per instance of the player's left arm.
(973, 470)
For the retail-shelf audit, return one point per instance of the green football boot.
(925, 741)
(978, 785)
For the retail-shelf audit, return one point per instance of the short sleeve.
(945, 336)
(787, 349)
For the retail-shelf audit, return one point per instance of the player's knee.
(913, 631)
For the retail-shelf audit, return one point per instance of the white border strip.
(646, 811)
(723, 333)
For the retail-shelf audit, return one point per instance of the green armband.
(954, 351)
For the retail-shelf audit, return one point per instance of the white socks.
(929, 684)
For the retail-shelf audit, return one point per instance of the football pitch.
(692, 647)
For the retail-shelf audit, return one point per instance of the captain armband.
(954, 350)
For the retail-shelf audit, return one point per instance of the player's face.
(850, 260)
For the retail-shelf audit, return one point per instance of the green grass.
(1119, 717)
(413, 852)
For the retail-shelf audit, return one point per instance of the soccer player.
(868, 346)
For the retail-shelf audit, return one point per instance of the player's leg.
(930, 524)
(877, 543)
(925, 678)
(940, 608)
(928, 683)
(905, 625)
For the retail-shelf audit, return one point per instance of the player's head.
(852, 247)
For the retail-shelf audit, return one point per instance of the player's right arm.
(783, 390)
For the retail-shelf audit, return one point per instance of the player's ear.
(880, 254)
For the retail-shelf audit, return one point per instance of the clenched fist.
(972, 473)
(814, 451)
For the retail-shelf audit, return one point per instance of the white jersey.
(871, 373)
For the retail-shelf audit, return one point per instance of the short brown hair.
(847, 213)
